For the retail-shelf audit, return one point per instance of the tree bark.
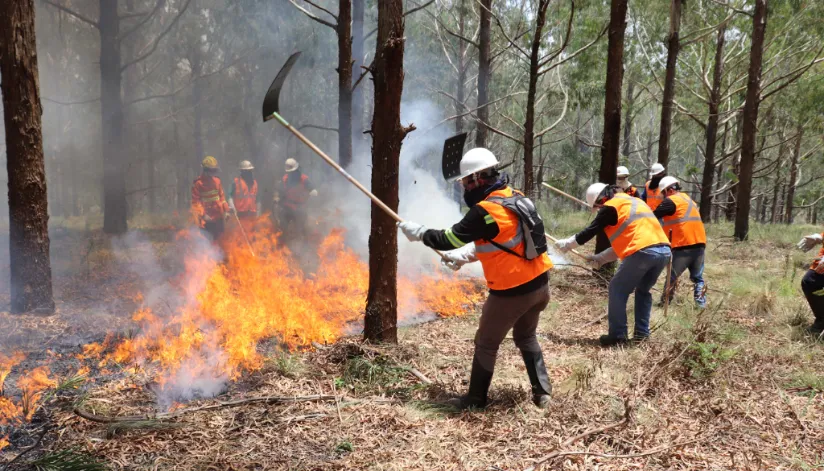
(197, 123)
(150, 170)
(630, 99)
(30, 267)
(115, 211)
(673, 46)
(484, 68)
(612, 103)
(532, 90)
(742, 215)
(387, 134)
(460, 93)
(705, 206)
(793, 181)
(357, 56)
(344, 32)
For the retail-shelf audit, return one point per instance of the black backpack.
(531, 225)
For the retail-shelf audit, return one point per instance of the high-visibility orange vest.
(637, 227)
(654, 197)
(295, 196)
(245, 198)
(208, 198)
(502, 269)
(687, 228)
(820, 255)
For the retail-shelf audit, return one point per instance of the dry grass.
(734, 387)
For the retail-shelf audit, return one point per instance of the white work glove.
(313, 193)
(810, 242)
(598, 260)
(412, 230)
(455, 259)
(207, 218)
(566, 245)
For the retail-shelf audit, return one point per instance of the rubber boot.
(538, 377)
(479, 381)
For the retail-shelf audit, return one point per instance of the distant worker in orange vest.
(652, 193)
(639, 242)
(515, 264)
(813, 283)
(208, 201)
(243, 196)
(626, 186)
(681, 218)
(294, 198)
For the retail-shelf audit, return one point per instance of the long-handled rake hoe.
(271, 110)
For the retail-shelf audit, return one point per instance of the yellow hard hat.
(210, 162)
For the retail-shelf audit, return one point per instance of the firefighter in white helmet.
(652, 194)
(682, 222)
(515, 264)
(624, 183)
(639, 242)
(293, 199)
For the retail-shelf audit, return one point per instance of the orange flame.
(7, 363)
(32, 385)
(4, 442)
(231, 307)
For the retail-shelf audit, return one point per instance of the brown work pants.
(501, 313)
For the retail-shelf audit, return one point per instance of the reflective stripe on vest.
(654, 197)
(636, 229)
(510, 244)
(502, 269)
(686, 225)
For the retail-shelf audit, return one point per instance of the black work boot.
(610, 341)
(479, 381)
(538, 377)
(816, 329)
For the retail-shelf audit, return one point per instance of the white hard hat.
(656, 169)
(246, 165)
(593, 191)
(291, 165)
(476, 160)
(623, 172)
(667, 182)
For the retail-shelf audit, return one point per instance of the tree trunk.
(705, 206)
(793, 181)
(484, 68)
(357, 56)
(612, 104)
(630, 99)
(742, 214)
(151, 160)
(111, 107)
(387, 136)
(673, 46)
(529, 123)
(197, 124)
(345, 83)
(776, 190)
(719, 173)
(30, 267)
(463, 65)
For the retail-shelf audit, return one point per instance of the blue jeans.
(639, 273)
(692, 259)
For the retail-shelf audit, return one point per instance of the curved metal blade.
(271, 103)
(452, 153)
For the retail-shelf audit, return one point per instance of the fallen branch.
(631, 455)
(36, 444)
(419, 375)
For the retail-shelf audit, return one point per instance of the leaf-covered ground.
(733, 387)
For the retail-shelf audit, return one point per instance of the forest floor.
(736, 386)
